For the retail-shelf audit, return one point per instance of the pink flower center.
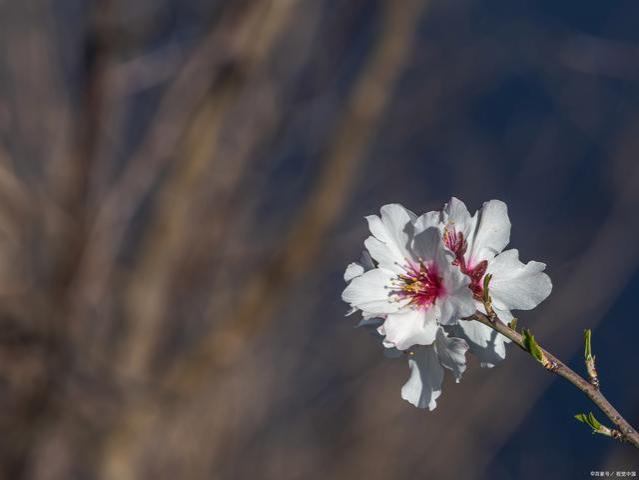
(421, 284)
(457, 244)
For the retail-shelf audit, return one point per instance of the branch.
(624, 432)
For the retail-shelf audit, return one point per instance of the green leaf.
(487, 278)
(589, 420)
(582, 417)
(593, 422)
(587, 344)
(513, 324)
(531, 345)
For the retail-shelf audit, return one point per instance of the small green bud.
(530, 344)
(587, 344)
(486, 296)
(596, 426)
(590, 359)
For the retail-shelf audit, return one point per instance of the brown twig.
(625, 431)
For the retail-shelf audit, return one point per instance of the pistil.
(420, 284)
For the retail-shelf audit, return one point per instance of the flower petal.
(455, 212)
(384, 255)
(424, 385)
(505, 316)
(427, 220)
(451, 352)
(394, 228)
(428, 246)
(517, 286)
(484, 342)
(353, 270)
(492, 232)
(410, 327)
(457, 301)
(370, 293)
(455, 215)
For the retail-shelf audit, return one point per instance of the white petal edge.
(409, 327)
(384, 255)
(353, 270)
(485, 343)
(394, 228)
(451, 352)
(456, 215)
(492, 233)
(517, 286)
(370, 293)
(427, 220)
(424, 386)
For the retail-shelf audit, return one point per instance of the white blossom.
(477, 242)
(413, 286)
(421, 277)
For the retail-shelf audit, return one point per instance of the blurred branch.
(265, 289)
(167, 238)
(353, 134)
(231, 44)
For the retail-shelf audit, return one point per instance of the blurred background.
(182, 184)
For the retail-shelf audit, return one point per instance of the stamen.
(457, 244)
(420, 285)
(476, 275)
